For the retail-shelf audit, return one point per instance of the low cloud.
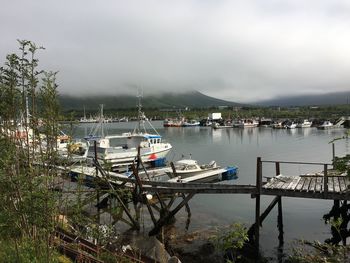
(233, 50)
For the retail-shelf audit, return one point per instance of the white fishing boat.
(222, 124)
(246, 123)
(121, 150)
(305, 124)
(291, 125)
(325, 125)
(190, 123)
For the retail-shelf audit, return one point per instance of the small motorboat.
(188, 170)
(189, 167)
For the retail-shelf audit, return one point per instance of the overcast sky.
(235, 50)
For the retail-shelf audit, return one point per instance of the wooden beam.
(163, 220)
(268, 209)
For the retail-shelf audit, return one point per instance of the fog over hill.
(193, 99)
(334, 98)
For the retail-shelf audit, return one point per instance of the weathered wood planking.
(300, 184)
(319, 184)
(306, 184)
(293, 183)
(347, 181)
(284, 182)
(336, 183)
(288, 182)
(312, 185)
(280, 184)
(342, 184)
(273, 183)
(330, 184)
(269, 183)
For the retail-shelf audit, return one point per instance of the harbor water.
(302, 218)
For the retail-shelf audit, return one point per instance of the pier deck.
(317, 186)
(328, 184)
(309, 186)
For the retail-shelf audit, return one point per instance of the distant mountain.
(334, 98)
(193, 99)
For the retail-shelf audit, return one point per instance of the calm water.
(302, 217)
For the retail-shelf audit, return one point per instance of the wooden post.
(257, 201)
(139, 187)
(97, 187)
(344, 239)
(280, 222)
(325, 181)
(333, 151)
(278, 171)
(163, 220)
(126, 210)
(279, 216)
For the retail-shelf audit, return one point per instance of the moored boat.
(119, 151)
(325, 125)
(291, 125)
(246, 123)
(190, 123)
(305, 124)
(188, 170)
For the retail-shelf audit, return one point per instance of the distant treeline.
(310, 112)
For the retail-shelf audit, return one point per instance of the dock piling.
(280, 222)
(257, 200)
(325, 181)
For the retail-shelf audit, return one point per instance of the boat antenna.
(141, 115)
(102, 121)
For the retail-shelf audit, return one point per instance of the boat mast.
(84, 114)
(102, 121)
(140, 115)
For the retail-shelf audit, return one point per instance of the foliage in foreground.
(316, 252)
(28, 251)
(230, 241)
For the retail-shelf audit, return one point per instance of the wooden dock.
(309, 186)
(325, 185)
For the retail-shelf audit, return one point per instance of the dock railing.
(260, 162)
(279, 193)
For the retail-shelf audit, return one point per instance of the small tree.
(28, 207)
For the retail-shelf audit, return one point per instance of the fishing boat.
(325, 125)
(191, 123)
(172, 123)
(305, 124)
(119, 151)
(246, 123)
(291, 125)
